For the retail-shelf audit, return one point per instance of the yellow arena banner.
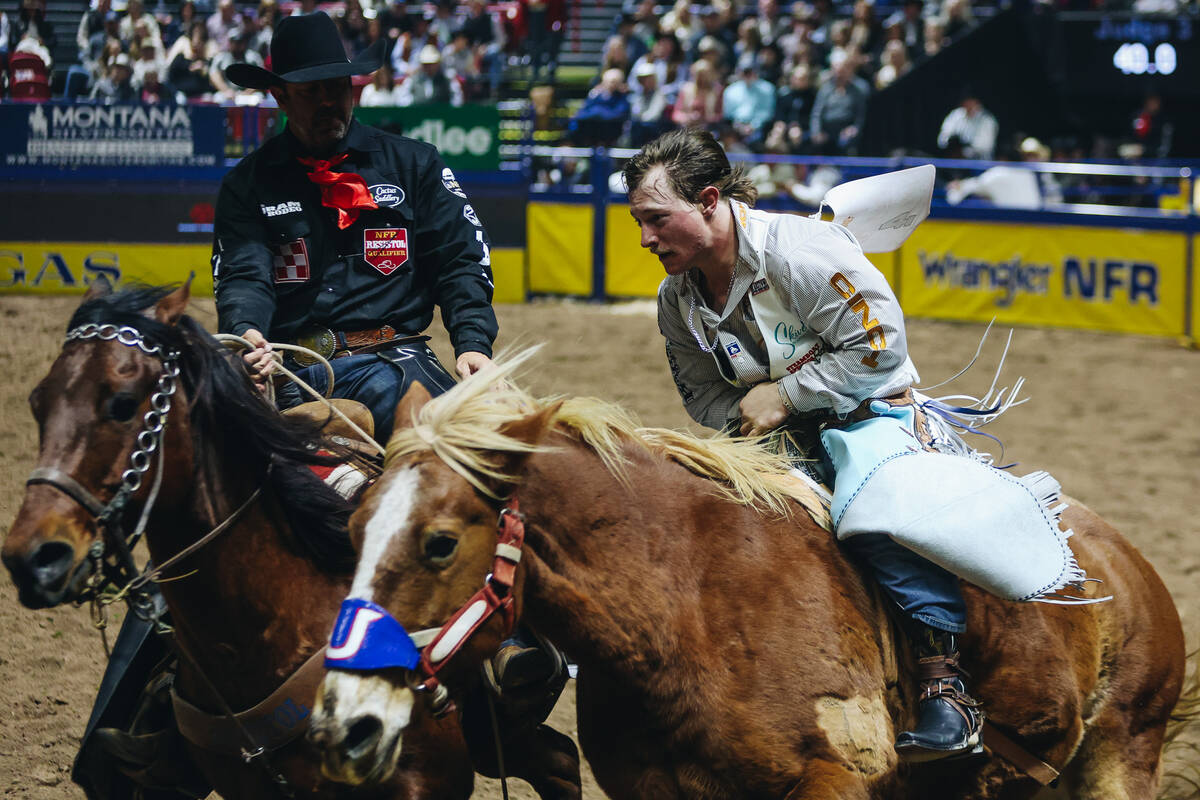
(65, 268)
(629, 270)
(559, 243)
(1122, 280)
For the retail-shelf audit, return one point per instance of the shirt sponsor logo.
(451, 184)
(811, 355)
(290, 263)
(859, 306)
(387, 195)
(733, 349)
(759, 286)
(290, 207)
(385, 249)
(471, 216)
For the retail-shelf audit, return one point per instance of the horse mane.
(225, 404)
(464, 428)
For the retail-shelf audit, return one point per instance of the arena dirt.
(1112, 417)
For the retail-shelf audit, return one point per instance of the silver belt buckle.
(320, 340)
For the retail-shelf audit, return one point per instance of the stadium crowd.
(447, 53)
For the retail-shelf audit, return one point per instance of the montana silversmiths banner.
(74, 135)
(468, 137)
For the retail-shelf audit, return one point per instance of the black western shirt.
(281, 265)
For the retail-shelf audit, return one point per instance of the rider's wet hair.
(693, 159)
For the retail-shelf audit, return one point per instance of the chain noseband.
(149, 441)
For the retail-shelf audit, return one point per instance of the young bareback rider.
(342, 238)
(762, 325)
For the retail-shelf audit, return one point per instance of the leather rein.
(366, 637)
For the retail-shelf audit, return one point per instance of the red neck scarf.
(345, 191)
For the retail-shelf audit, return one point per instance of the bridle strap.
(494, 597)
(53, 476)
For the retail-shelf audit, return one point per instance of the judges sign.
(70, 136)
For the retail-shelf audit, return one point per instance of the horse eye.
(122, 407)
(439, 547)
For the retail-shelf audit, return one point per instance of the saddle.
(317, 412)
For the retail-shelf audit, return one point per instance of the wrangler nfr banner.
(1129, 281)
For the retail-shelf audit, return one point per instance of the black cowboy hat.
(306, 48)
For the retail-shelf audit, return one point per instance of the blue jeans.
(377, 380)
(922, 589)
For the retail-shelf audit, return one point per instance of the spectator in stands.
(894, 64)
(681, 23)
(839, 109)
(957, 18)
(545, 23)
(648, 106)
(713, 20)
(700, 99)
(771, 23)
(793, 109)
(1152, 130)
(614, 56)
(90, 24)
(430, 83)
(749, 103)
(601, 119)
(444, 22)
(459, 61)
(645, 24)
(4, 33)
(223, 24)
(146, 55)
(116, 86)
(239, 52)
(31, 24)
(486, 35)
(912, 27)
(635, 47)
(31, 43)
(748, 40)
(971, 127)
(381, 91)
(174, 26)
(264, 27)
(95, 57)
(935, 37)
(188, 62)
(665, 59)
(713, 51)
(769, 64)
(865, 31)
(152, 91)
(797, 45)
(137, 24)
(351, 27)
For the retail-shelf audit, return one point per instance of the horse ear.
(530, 430)
(413, 401)
(100, 287)
(171, 308)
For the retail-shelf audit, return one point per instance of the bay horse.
(258, 599)
(726, 646)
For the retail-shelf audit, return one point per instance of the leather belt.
(335, 344)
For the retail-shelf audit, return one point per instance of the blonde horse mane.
(463, 428)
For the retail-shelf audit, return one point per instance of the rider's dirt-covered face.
(673, 229)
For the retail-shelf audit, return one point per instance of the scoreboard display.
(1124, 55)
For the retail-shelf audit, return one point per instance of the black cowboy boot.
(949, 721)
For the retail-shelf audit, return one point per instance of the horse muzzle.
(48, 574)
(357, 725)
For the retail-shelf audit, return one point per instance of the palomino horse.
(258, 599)
(726, 646)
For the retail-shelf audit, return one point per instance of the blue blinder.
(366, 637)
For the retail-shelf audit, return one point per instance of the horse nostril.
(50, 562)
(363, 735)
